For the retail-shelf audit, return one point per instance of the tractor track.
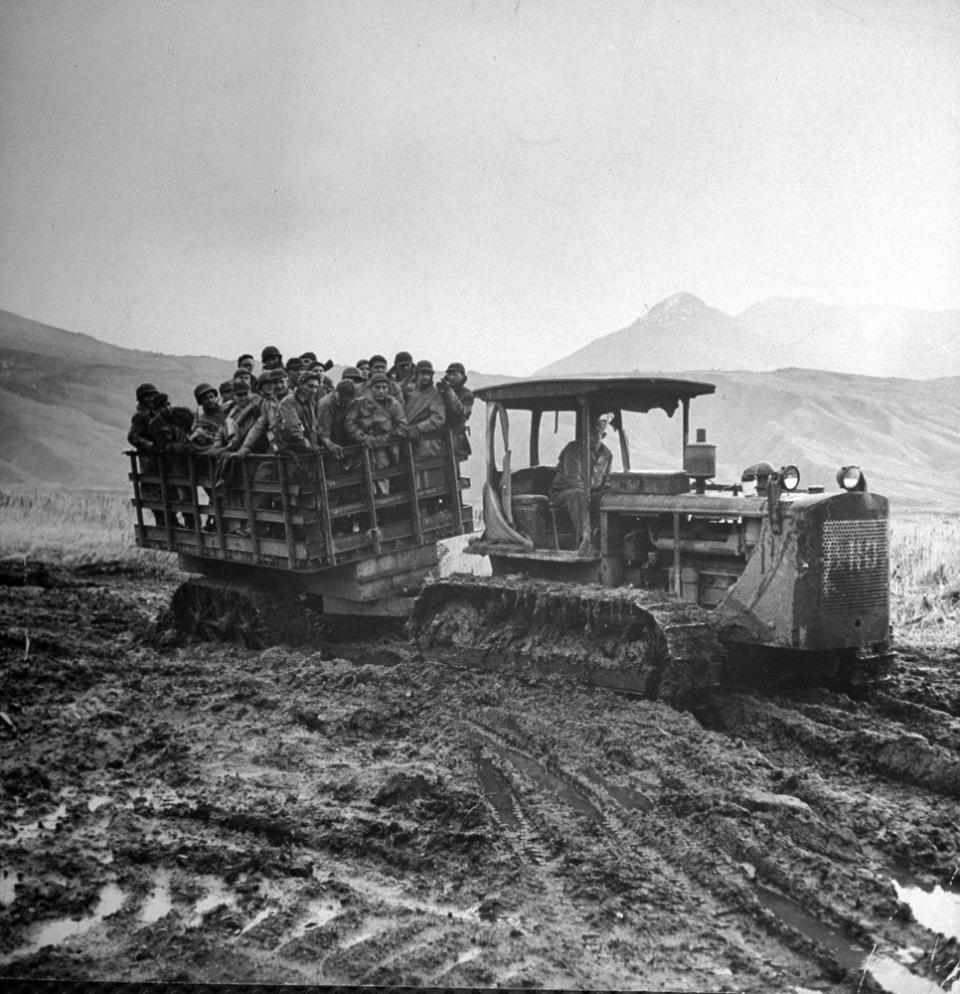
(349, 813)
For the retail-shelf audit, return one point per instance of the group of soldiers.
(295, 408)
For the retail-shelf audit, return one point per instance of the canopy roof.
(567, 393)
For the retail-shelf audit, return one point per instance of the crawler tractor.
(674, 584)
(682, 583)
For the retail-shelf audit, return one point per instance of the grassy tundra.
(82, 527)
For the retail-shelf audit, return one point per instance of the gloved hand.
(413, 433)
(370, 441)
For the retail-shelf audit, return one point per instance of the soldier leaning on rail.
(459, 405)
(169, 429)
(425, 412)
(139, 438)
(332, 414)
(267, 426)
(378, 421)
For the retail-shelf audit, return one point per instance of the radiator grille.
(856, 574)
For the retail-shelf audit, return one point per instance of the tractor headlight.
(789, 477)
(850, 478)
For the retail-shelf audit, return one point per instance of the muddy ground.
(347, 814)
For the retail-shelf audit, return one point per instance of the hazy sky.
(497, 181)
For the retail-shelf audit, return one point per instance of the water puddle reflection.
(159, 902)
(52, 933)
(319, 912)
(891, 975)
(8, 886)
(98, 801)
(26, 830)
(393, 896)
(218, 895)
(936, 908)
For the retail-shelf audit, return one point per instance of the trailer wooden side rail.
(303, 514)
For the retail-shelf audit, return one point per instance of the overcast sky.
(497, 181)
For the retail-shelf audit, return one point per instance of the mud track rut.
(355, 815)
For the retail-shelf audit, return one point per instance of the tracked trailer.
(670, 582)
(316, 538)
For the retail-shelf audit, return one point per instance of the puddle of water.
(8, 886)
(557, 784)
(257, 918)
(470, 954)
(54, 932)
(158, 902)
(217, 896)
(30, 830)
(318, 913)
(892, 976)
(98, 801)
(936, 909)
(395, 897)
(375, 926)
(497, 790)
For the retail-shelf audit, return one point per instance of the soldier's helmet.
(145, 390)
(270, 352)
(351, 373)
(202, 389)
(425, 366)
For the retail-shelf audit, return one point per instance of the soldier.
(267, 426)
(169, 428)
(378, 421)
(378, 364)
(403, 373)
(298, 415)
(567, 489)
(226, 394)
(246, 362)
(210, 417)
(363, 365)
(270, 359)
(140, 439)
(242, 416)
(247, 377)
(332, 416)
(458, 401)
(425, 412)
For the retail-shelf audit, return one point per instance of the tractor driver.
(568, 491)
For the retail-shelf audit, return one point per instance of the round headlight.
(789, 477)
(850, 478)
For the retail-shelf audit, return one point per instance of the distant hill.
(682, 333)
(66, 401)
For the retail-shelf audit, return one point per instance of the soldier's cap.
(378, 358)
(402, 357)
(202, 389)
(270, 376)
(425, 366)
(246, 355)
(242, 371)
(240, 385)
(379, 378)
(226, 386)
(295, 363)
(309, 357)
(457, 367)
(270, 353)
(145, 390)
(160, 400)
(351, 373)
(310, 374)
(362, 362)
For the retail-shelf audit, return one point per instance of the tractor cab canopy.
(589, 397)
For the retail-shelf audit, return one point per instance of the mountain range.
(66, 401)
(682, 333)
